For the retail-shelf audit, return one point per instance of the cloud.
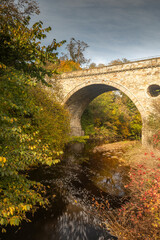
(112, 28)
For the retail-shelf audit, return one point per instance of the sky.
(112, 28)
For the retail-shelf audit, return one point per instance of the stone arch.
(80, 96)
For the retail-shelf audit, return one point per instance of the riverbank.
(116, 146)
(138, 218)
(133, 152)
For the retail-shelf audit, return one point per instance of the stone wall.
(139, 80)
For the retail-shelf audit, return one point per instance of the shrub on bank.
(139, 218)
(33, 130)
(32, 126)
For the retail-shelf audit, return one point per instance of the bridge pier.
(75, 126)
(76, 130)
(147, 135)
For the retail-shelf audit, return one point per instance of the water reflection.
(108, 174)
(77, 224)
(73, 224)
(76, 180)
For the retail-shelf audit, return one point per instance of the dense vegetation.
(33, 125)
(112, 116)
(139, 218)
(62, 66)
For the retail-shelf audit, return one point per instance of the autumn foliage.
(68, 66)
(33, 130)
(112, 116)
(140, 217)
(33, 125)
(62, 66)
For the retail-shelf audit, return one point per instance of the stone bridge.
(139, 80)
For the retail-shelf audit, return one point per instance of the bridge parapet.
(130, 66)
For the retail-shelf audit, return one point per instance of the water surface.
(80, 179)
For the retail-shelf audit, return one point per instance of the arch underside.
(78, 102)
(81, 96)
(78, 99)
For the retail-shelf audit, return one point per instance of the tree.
(18, 10)
(112, 116)
(76, 50)
(20, 45)
(68, 66)
(92, 65)
(32, 125)
(64, 66)
(118, 61)
(101, 65)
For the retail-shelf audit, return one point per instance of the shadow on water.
(73, 184)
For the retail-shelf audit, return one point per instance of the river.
(81, 178)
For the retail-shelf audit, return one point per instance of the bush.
(140, 217)
(33, 130)
(25, 117)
